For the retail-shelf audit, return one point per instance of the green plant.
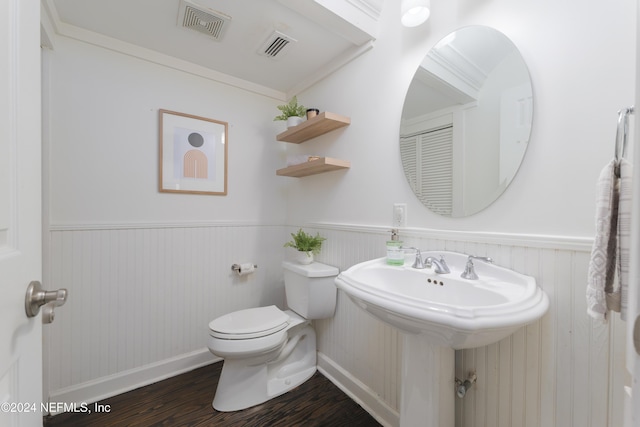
(292, 109)
(304, 242)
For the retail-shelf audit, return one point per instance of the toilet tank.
(310, 289)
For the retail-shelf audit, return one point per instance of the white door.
(20, 212)
(632, 396)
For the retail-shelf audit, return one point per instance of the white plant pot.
(293, 121)
(304, 257)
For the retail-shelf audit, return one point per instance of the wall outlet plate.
(399, 215)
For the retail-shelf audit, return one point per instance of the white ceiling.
(324, 30)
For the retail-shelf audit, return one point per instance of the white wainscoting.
(562, 371)
(141, 296)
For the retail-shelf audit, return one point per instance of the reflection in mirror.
(466, 121)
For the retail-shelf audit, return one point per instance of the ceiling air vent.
(276, 45)
(201, 19)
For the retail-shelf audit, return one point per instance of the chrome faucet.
(441, 266)
(469, 270)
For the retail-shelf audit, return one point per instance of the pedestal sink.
(440, 313)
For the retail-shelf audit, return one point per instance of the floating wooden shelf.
(323, 164)
(319, 125)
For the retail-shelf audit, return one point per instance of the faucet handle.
(418, 262)
(469, 271)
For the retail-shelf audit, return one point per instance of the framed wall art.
(193, 154)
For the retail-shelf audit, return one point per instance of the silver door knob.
(37, 297)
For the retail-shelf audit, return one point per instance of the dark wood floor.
(185, 400)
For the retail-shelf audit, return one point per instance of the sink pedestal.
(428, 383)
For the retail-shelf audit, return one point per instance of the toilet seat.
(249, 323)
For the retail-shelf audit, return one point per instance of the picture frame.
(193, 154)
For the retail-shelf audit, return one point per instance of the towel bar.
(621, 139)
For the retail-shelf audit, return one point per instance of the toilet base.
(243, 385)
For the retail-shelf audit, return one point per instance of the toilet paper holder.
(238, 268)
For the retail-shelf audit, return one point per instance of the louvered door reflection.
(427, 158)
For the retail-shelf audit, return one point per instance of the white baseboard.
(112, 385)
(358, 391)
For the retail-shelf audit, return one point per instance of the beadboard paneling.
(558, 372)
(139, 296)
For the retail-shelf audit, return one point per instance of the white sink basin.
(451, 311)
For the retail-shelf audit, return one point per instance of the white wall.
(104, 143)
(581, 61)
(146, 271)
(582, 64)
(103, 194)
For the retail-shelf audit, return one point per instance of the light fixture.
(415, 12)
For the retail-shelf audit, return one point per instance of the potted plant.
(306, 245)
(291, 112)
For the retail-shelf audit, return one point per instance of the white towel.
(610, 252)
(601, 296)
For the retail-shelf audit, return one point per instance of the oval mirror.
(466, 121)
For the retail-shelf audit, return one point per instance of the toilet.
(268, 351)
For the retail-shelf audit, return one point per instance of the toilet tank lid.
(315, 269)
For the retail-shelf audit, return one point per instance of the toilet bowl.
(268, 351)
